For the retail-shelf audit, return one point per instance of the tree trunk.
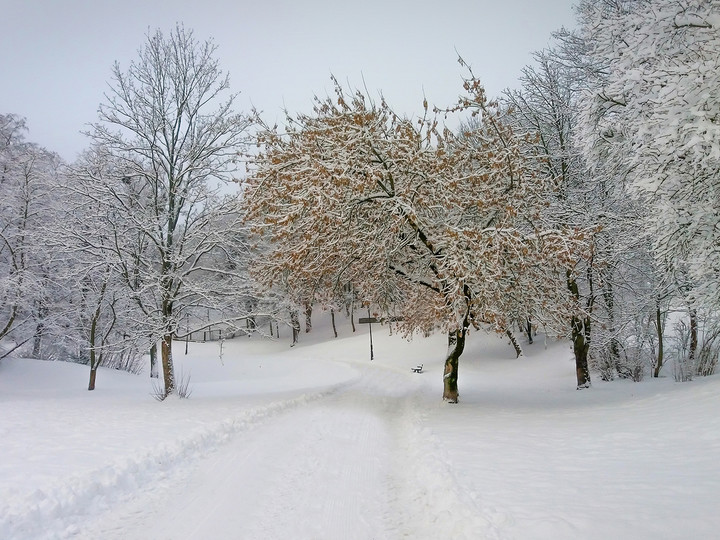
(167, 363)
(581, 345)
(514, 343)
(456, 345)
(251, 322)
(693, 339)
(154, 372)
(308, 317)
(529, 330)
(295, 323)
(352, 316)
(332, 318)
(93, 375)
(37, 340)
(614, 348)
(659, 329)
(580, 332)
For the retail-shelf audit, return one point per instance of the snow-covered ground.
(318, 442)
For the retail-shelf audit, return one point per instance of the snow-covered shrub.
(708, 353)
(182, 388)
(679, 351)
(626, 357)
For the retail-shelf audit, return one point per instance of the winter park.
(496, 316)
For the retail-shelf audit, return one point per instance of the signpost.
(369, 320)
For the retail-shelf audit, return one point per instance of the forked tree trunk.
(167, 364)
(456, 345)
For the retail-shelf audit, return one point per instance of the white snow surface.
(319, 442)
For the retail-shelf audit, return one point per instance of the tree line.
(584, 203)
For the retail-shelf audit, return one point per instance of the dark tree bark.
(581, 346)
(456, 345)
(659, 330)
(580, 334)
(529, 330)
(332, 318)
(514, 343)
(93, 375)
(693, 338)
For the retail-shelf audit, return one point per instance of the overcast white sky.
(57, 54)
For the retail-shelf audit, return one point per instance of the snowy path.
(316, 442)
(328, 469)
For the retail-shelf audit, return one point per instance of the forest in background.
(584, 203)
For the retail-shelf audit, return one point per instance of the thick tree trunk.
(93, 375)
(456, 345)
(581, 346)
(154, 372)
(167, 364)
(580, 334)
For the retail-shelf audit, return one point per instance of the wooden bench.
(417, 369)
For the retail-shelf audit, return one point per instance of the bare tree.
(169, 129)
(27, 174)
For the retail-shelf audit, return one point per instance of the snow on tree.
(441, 229)
(614, 284)
(27, 176)
(657, 104)
(169, 130)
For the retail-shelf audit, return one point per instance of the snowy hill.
(318, 442)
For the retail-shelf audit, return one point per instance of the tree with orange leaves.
(438, 227)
